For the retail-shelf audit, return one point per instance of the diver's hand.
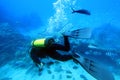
(66, 34)
(40, 66)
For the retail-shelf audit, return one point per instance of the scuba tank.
(44, 42)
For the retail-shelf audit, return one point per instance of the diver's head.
(49, 42)
(45, 42)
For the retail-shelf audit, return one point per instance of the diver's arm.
(35, 59)
(65, 47)
(66, 43)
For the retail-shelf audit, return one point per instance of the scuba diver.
(42, 48)
(47, 47)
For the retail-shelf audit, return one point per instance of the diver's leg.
(57, 56)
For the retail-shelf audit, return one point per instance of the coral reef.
(12, 44)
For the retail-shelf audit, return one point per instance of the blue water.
(22, 21)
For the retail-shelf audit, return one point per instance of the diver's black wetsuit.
(37, 53)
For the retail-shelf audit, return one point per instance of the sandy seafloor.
(58, 71)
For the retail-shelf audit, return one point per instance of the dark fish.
(81, 11)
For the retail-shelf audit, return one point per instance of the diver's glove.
(40, 66)
(66, 34)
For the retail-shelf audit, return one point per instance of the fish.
(81, 11)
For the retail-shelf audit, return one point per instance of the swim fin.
(80, 33)
(93, 67)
